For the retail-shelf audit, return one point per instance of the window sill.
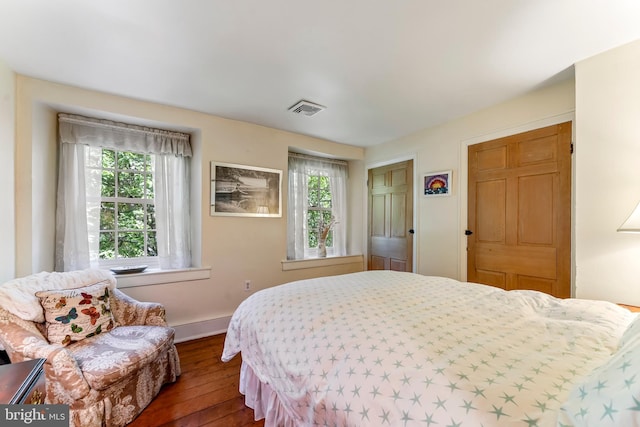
(159, 277)
(300, 264)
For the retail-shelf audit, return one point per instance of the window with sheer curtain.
(317, 196)
(123, 195)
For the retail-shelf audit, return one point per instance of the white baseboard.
(206, 328)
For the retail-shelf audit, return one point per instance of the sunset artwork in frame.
(436, 184)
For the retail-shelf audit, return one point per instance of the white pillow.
(632, 331)
(610, 395)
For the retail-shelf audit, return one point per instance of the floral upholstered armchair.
(107, 355)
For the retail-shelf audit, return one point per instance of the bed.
(384, 348)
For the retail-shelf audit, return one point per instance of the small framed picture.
(436, 184)
(239, 190)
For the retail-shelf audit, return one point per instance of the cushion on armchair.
(108, 358)
(18, 296)
(74, 314)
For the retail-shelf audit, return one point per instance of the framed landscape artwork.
(437, 183)
(238, 190)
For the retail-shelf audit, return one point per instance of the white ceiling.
(383, 68)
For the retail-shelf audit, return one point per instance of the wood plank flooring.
(206, 394)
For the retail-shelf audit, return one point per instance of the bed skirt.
(263, 400)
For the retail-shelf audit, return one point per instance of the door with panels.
(390, 244)
(519, 211)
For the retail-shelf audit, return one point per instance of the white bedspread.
(384, 348)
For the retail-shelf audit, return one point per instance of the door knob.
(412, 231)
(468, 232)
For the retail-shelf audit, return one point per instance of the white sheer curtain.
(77, 216)
(297, 209)
(72, 244)
(171, 183)
(300, 168)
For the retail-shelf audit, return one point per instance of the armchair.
(107, 377)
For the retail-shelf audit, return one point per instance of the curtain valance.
(311, 165)
(76, 129)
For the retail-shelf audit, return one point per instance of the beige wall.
(603, 99)
(603, 103)
(7, 182)
(608, 174)
(235, 248)
(440, 222)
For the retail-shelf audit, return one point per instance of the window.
(127, 214)
(317, 210)
(123, 195)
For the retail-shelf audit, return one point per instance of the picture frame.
(437, 184)
(245, 191)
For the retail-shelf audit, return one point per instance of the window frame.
(312, 251)
(116, 199)
(299, 224)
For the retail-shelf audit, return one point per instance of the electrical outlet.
(247, 285)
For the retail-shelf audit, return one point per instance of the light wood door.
(519, 211)
(391, 217)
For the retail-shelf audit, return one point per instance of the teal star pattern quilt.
(383, 348)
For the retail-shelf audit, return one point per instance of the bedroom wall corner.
(440, 222)
(7, 172)
(233, 249)
(607, 174)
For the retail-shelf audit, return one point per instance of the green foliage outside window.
(127, 214)
(319, 211)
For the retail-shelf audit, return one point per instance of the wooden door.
(520, 211)
(391, 217)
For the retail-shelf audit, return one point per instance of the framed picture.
(238, 190)
(437, 183)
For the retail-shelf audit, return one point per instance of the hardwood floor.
(206, 394)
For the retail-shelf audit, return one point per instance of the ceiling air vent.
(306, 108)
